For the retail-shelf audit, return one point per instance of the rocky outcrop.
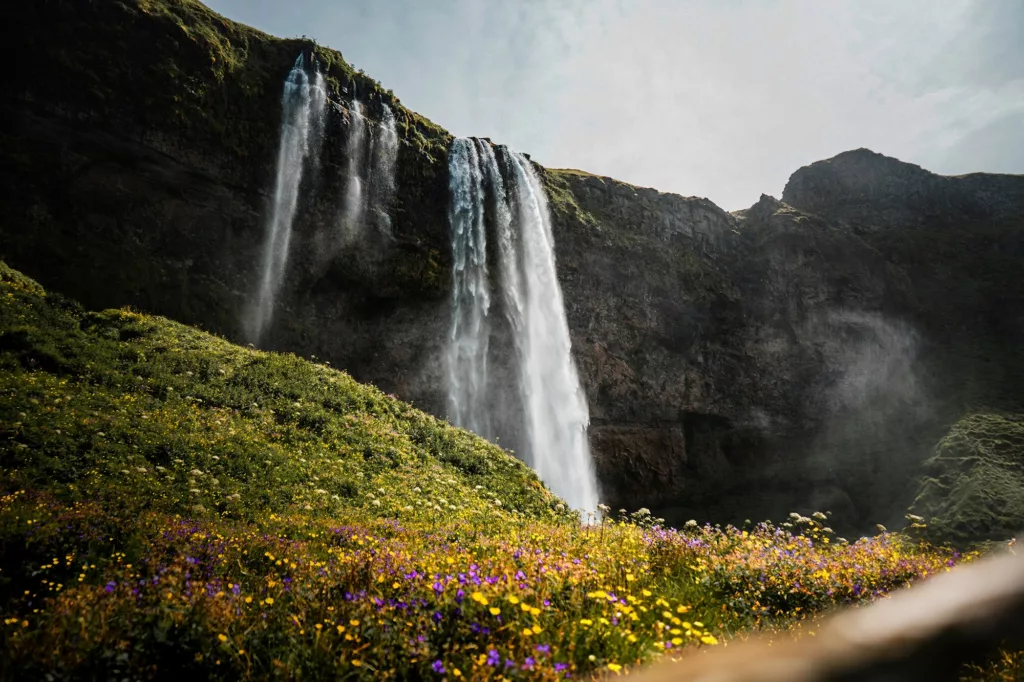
(800, 354)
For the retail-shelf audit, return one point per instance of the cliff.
(801, 354)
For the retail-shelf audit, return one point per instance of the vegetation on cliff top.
(170, 502)
(175, 66)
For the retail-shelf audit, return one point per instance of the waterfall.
(318, 115)
(354, 200)
(469, 331)
(383, 158)
(299, 109)
(554, 408)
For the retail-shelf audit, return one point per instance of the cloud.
(722, 99)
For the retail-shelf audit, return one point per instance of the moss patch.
(975, 484)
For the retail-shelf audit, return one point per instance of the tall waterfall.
(300, 109)
(554, 408)
(471, 301)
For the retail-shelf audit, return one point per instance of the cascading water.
(355, 201)
(383, 157)
(318, 114)
(469, 332)
(556, 407)
(299, 110)
(555, 414)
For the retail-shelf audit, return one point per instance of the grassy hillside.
(171, 504)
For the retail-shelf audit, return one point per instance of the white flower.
(417, 489)
(141, 470)
(195, 491)
(376, 503)
(196, 472)
(692, 523)
(320, 491)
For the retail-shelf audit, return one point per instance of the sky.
(721, 99)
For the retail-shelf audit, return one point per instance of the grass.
(173, 504)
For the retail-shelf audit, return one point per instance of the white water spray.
(297, 116)
(555, 414)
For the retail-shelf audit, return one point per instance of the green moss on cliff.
(975, 485)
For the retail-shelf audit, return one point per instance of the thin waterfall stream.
(302, 111)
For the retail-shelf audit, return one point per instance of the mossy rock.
(974, 487)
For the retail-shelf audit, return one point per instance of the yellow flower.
(479, 597)
(513, 599)
(222, 637)
(677, 640)
(357, 663)
(682, 609)
(354, 623)
(456, 672)
(614, 667)
(525, 607)
(248, 600)
(647, 593)
(495, 611)
(537, 629)
(631, 637)
(269, 600)
(586, 621)
(709, 639)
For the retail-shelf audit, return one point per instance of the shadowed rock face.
(797, 355)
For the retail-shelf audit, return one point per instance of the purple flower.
(438, 667)
(110, 587)
(509, 663)
(437, 616)
(458, 596)
(559, 667)
(493, 657)
(543, 648)
(528, 663)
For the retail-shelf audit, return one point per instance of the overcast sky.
(717, 98)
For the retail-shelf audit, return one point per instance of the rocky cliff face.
(800, 354)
